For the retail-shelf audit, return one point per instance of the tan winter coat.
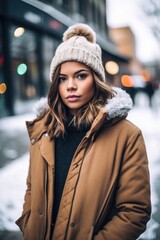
(107, 192)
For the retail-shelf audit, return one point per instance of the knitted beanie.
(79, 44)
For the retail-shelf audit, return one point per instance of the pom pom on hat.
(80, 29)
(79, 44)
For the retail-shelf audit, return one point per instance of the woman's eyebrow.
(82, 70)
(62, 74)
(79, 71)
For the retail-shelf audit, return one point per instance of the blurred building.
(30, 31)
(137, 77)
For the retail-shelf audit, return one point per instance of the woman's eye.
(62, 79)
(82, 76)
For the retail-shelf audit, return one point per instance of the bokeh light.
(3, 88)
(127, 81)
(112, 67)
(22, 69)
(19, 31)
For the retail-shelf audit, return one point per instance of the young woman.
(88, 177)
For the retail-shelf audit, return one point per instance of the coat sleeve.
(22, 221)
(132, 201)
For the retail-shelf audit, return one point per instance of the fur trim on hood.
(118, 106)
(40, 106)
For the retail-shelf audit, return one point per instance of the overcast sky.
(122, 13)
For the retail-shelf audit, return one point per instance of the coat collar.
(119, 105)
(117, 108)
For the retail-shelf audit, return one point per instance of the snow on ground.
(13, 176)
(15, 123)
(148, 120)
(12, 188)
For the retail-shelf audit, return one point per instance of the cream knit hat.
(79, 44)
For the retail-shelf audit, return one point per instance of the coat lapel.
(47, 149)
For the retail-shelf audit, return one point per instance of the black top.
(65, 148)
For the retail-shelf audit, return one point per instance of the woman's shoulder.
(128, 127)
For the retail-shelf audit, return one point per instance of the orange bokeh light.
(127, 81)
(3, 88)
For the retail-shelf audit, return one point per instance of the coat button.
(72, 225)
(45, 135)
(40, 213)
(33, 140)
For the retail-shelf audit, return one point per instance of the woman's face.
(76, 85)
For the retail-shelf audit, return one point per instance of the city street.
(14, 165)
(117, 41)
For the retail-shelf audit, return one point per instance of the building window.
(24, 64)
(49, 45)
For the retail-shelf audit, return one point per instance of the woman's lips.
(73, 98)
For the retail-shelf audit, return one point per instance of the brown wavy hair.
(57, 112)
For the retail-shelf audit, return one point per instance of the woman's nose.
(71, 84)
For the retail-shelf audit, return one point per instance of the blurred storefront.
(138, 76)
(30, 31)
